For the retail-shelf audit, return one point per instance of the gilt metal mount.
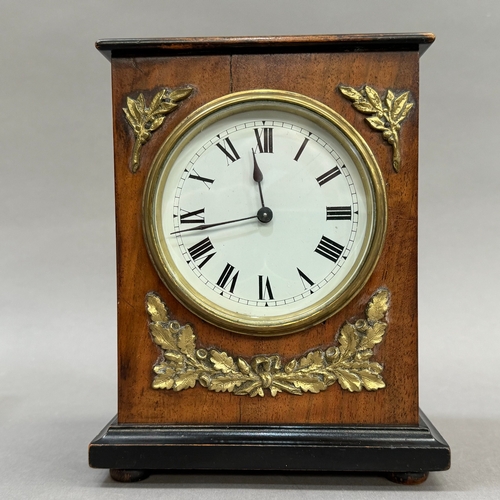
(183, 363)
(144, 120)
(387, 114)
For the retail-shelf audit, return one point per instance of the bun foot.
(408, 478)
(128, 475)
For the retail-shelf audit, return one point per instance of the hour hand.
(258, 177)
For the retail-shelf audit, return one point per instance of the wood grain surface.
(316, 75)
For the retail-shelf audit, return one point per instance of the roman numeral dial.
(301, 249)
(227, 260)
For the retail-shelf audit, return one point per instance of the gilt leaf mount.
(144, 119)
(183, 363)
(387, 114)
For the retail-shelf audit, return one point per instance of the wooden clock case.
(334, 430)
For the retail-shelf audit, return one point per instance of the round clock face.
(264, 212)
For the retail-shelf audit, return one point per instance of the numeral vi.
(265, 290)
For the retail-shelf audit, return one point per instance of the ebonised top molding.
(154, 47)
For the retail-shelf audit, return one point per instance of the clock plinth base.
(404, 453)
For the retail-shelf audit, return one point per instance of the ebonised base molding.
(405, 454)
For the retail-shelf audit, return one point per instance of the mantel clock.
(266, 213)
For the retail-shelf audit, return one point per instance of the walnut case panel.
(214, 68)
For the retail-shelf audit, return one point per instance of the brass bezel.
(335, 125)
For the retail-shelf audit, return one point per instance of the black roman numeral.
(231, 156)
(201, 251)
(301, 149)
(265, 289)
(329, 249)
(339, 213)
(264, 138)
(228, 277)
(328, 176)
(305, 279)
(195, 217)
(208, 182)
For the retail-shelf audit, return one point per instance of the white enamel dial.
(262, 215)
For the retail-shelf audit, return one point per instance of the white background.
(57, 260)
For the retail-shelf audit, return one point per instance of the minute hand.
(208, 226)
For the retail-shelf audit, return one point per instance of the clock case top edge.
(153, 47)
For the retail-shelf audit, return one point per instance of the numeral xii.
(264, 138)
